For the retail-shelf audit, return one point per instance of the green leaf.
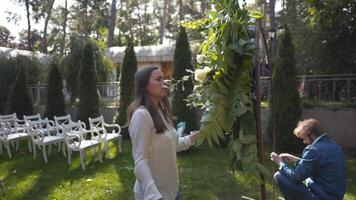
(245, 139)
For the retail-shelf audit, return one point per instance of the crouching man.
(319, 174)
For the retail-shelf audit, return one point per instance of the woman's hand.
(194, 136)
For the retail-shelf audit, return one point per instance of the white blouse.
(155, 157)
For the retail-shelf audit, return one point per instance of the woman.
(154, 139)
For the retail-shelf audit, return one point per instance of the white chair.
(16, 124)
(8, 137)
(42, 135)
(64, 120)
(15, 131)
(35, 117)
(74, 138)
(99, 125)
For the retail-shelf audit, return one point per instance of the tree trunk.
(48, 17)
(181, 12)
(29, 35)
(273, 28)
(163, 21)
(112, 24)
(64, 27)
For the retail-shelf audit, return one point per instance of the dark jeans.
(179, 196)
(292, 190)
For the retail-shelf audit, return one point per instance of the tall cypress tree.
(286, 102)
(19, 100)
(55, 105)
(182, 61)
(127, 76)
(88, 86)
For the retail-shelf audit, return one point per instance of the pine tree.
(19, 100)
(128, 70)
(88, 86)
(286, 104)
(182, 61)
(55, 105)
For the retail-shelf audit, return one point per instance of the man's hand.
(286, 157)
(276, 158)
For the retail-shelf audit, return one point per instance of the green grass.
(204, 174)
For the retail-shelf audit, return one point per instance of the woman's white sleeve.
(184, 143)
(140, 131)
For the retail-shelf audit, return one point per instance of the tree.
(128, 70)
(71, 65)
(181, 62)
(5, 36)
(112, 22)
(88, 86)
(286, 102)
(163, 21)
(9, 67)
(55, 105)
(331, 35)
(8, 73)
(19, 100)
(43, 9)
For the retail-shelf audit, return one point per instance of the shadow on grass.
(33, 179)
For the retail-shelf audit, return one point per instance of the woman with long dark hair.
(154, 138)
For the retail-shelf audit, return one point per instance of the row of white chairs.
(63, 132)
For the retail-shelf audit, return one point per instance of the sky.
(13, 6)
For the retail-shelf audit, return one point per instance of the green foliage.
(225, 92)
(55, 105)
(19, 100)
(71, 64)
(329, 47)
(87, 85)
(128, 70)
(286, 103)
(181, 62)
(8, 71)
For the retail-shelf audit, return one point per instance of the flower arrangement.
(223, 83)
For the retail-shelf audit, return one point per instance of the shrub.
(88, 86)
(9, 68)
(55, 105)
(286, 102)
(127, 76)
(19, 100)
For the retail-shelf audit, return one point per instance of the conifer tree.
(88, 86)
(19, 100)
(286, 102)
(182, 61)
(55, 105)
(127, 76)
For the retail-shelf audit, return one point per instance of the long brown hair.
(141, 98)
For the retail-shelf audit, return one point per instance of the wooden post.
(258, 115)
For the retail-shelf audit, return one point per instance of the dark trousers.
(292, 190)
(179, 196)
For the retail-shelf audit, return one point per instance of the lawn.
(204, 174)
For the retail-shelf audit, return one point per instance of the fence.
(335, 87)
(108, 93)
(340, 87)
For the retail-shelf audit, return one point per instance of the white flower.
(201, 74)
(200, 58)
